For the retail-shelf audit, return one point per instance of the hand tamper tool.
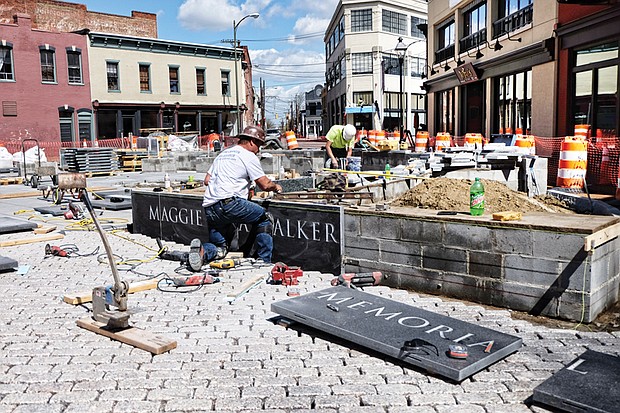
(110, 313)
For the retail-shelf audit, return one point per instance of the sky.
(285, 41)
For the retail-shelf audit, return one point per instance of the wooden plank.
(601, 237)
(44, 230)
(133, 336)
(20, 195)
(507, 216)
(38, 238)
(87, 297)
(243, 288)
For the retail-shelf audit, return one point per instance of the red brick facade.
(30, 107)
(58, 16)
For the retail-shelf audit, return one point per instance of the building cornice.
(150, 45)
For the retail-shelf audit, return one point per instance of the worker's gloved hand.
(334, 164)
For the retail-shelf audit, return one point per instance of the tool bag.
(333, 182)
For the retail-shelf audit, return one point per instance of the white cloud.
(216, 15)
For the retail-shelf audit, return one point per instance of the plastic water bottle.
(387, 171)
(476, 198)
(167, 181)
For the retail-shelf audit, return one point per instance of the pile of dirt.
(447, 194)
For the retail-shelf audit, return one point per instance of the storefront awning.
(359, 109)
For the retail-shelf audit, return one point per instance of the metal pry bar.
(103, 297)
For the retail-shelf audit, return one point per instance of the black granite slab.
(417, 337)
(589, 383)
(7, 264)
(307, 235)
(54, 210)
(113, 201)
(11, 224)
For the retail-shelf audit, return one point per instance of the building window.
(391, 64)
(595, 91)
(417, 66)
(341, 24)
(225, 76)
(512, 15)
(145, 77)
(48, 68)
(445, 42)
(85, 120)
(393, 22)
(362, 98)
(201, 76)
(415, 31)
(66, 125)
(112, 76)
(361, 20)
(445, 111)
(514, 95)
(6, 62)
(361, 63)
(474, 26)
(418, 102)
(173, 74)
(74, 66)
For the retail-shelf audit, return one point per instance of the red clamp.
(285, 275)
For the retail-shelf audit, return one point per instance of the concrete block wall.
(538, 271)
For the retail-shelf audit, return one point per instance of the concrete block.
(352, 224)
(512, 241)
(445, 259)
(380, 227)
(485, 264)
(468, 287)
(471, 237)
(271, 164)
(204, 163)
(530, 270)
(554, 245)
(358, 247)
(400, 253)
(422, 231)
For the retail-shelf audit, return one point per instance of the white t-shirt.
(232, 172)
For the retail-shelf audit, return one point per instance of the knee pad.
(266, 224)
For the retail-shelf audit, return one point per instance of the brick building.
(44, 84)
(59, 16)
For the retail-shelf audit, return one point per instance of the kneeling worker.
(225, 199)
(339, 147)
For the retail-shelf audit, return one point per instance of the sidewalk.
(230, 357)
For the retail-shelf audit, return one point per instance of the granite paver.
(230, 357)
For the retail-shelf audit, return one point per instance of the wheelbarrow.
(39, 170)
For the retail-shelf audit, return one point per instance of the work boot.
(196, 254)
(221, 253)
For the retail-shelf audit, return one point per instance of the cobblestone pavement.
(230, 357)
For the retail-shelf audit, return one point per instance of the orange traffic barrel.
(421, 141)
(291, 140)
(527, 143)
(582, 131)
(396, 135)
(372, 137)
(473, 139)
(442, 140)
(573, 162)
(380, 135)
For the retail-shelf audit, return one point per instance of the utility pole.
(263, 121)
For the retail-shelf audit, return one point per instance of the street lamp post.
(235, 25)
(401, 48)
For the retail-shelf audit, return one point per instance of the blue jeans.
(210, 251)
(223, 214)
